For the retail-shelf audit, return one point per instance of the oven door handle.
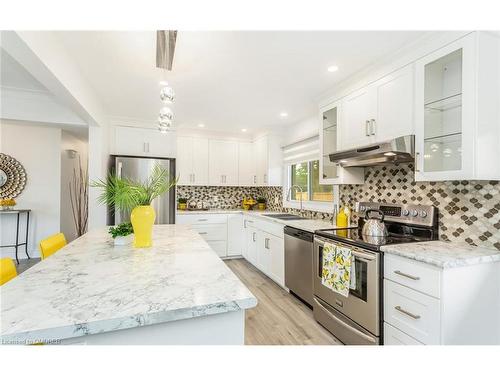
(358, 254)
(344, 324)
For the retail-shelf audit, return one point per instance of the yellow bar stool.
(52, 244)
(7, 270)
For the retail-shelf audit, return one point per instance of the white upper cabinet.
(331, 173)
(457, 116)
(379, 111)
(130, 141)
(269, 159)
(247, 174)
(395, 103)
(358, 110)
(192, 161)
(223, 162)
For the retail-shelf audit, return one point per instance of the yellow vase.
(143, 218)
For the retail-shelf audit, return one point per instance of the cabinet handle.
(253, 236)
(266, 243)
(397, 272)
(417, 154)
(143, 146)
(265, 178)
(202, 233)
(367, 128)
(254, 179)
(411, 315)
(202, 219)
(373, 124)
(244, 224)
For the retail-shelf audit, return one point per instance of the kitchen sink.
(285, 216)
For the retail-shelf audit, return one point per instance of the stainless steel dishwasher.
(299, 263)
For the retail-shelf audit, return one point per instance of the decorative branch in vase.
(126, 194)
(79, 198)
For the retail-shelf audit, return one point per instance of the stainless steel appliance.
(374, 226)
(357, 319)
(139, 168)
(299, 263)
(398, 150)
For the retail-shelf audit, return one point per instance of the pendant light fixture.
(165, 48)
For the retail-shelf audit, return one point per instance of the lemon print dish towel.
(338, 269)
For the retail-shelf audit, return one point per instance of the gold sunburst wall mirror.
(12, 177)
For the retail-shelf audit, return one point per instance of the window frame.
(319, 206)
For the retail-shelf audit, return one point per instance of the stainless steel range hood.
(398, 150)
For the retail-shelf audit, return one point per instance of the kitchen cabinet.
(235, 235)
(263, 252)
(424, 304)
(457, 117)
(395, 105)
(359, 109)
(276, 247)
(131, 141)
(251, 243)
(268, 155)
(223, 163)
(192, 161)
(380, 111)
(247, 174)
(331, 173)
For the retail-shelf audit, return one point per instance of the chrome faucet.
(296, 187)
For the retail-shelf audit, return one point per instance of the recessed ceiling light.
(163, 83)
(333, 68)
(243, 130)
(283, 114)
(201, 125)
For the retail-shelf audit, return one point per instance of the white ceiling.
(226, 80)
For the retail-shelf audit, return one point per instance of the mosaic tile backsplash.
(469, 211)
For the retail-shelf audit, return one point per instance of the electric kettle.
(374, 226)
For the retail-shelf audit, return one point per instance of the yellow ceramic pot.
(262, 206)
(143, 218)
(182, 206)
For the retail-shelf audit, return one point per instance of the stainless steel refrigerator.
(139, 168)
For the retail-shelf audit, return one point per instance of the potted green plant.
(122, 233)
(182, 203)
(126, 194)
(261, 203)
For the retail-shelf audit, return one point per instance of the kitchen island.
(92, 292)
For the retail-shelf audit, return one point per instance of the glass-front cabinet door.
(329, 122)
(329, 127)
(444, 123)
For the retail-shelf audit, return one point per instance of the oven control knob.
(405, 212)
(414, 213)
(423, 214)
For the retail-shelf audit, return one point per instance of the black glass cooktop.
(398, 234)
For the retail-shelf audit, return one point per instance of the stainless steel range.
(357, 319)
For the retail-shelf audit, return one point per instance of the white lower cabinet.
(393, 336)
(259, 241)
(428, 305)
(235, 235)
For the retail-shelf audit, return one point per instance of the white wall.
(98, 158)
(68, 165)
(37, 148)
(303, 129)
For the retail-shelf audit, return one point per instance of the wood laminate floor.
(279, 318)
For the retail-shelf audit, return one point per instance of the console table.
(18, 244)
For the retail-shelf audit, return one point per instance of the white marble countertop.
(90, 286)
(444, 254)
(309, 225)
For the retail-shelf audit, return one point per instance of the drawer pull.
(406, 275)
(407, 313)
(202, 233)
(202, 219)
